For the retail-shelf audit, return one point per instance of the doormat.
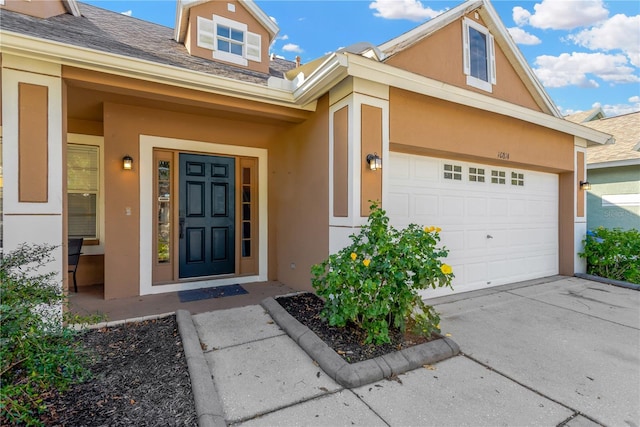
(207, 293)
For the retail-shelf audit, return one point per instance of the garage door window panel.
(517, 179)
(453, 172)
(476, 174)
(498, 177)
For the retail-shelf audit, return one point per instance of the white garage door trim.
(499, 224)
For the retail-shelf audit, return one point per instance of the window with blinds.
(83, 176)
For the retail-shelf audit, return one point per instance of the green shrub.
(613, 253)
(38, 354)
(374, 282)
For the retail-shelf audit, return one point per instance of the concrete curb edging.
(353, 375)
(208, 406)
(608, 281)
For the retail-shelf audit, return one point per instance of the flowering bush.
(374, 282)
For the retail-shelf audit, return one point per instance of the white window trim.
(227, 56)
(491, 66)
(252, 42)
(79, 139)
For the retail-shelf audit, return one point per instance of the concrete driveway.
(555, 352)
(572, 341)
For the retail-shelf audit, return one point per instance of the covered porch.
(90, 301)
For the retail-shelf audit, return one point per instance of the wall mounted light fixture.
(585, 185)
(374, 161)
(127, 163)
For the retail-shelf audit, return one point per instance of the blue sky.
(585, 52)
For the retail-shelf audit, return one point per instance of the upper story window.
(229, 40)
(479, 55)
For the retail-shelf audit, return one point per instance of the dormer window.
(479, 55)
(229, 40)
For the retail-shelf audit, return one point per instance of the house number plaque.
(503, 155)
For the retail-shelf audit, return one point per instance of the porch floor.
(89, 300)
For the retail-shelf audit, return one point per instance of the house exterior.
(242, 167)
(613, 171)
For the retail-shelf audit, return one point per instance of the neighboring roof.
(112, 32)
(498, 30)
(626, 131)
(586, 116)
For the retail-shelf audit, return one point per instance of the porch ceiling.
(89, 90)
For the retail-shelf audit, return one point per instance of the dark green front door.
(207, 215)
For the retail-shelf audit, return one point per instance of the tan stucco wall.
(33, 143)
(371, 143)
(426, 125)
(207, 10)
(123, 124)
(85, 127)
(439, 57)
(299, 193)
(90, 271)
(37, 8)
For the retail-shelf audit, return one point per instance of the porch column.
(32, 157)
(358, 126)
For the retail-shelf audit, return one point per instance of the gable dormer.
(235, 32)
(41, 9)
(469, 47)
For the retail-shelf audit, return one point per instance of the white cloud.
(127, 13)
(283, 37)
(290, 47)
(619, 32)
(273, 18)
(412, 10)
(561, 14)
(617, 109)
(579, 69)
(634, 99)
(520, 36)
(521, 16)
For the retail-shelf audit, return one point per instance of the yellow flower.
(366, 262)
(438, 326)
(446, 269)
(429, 229)
(354, 256)
(438, 229)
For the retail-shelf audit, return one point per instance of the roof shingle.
(112, 32)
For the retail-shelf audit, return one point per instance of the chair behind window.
(75, 246)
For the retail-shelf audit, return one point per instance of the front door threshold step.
(351, 375)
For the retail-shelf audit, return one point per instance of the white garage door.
(499, 224)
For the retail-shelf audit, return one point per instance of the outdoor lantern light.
(127, 163)
(375, 162)
(585, 185)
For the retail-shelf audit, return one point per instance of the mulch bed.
(140, 378)
(348, 342)
(140, 375)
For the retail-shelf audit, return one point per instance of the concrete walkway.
(561, 351)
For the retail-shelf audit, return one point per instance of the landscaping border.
(353, 375)
(608, 281)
